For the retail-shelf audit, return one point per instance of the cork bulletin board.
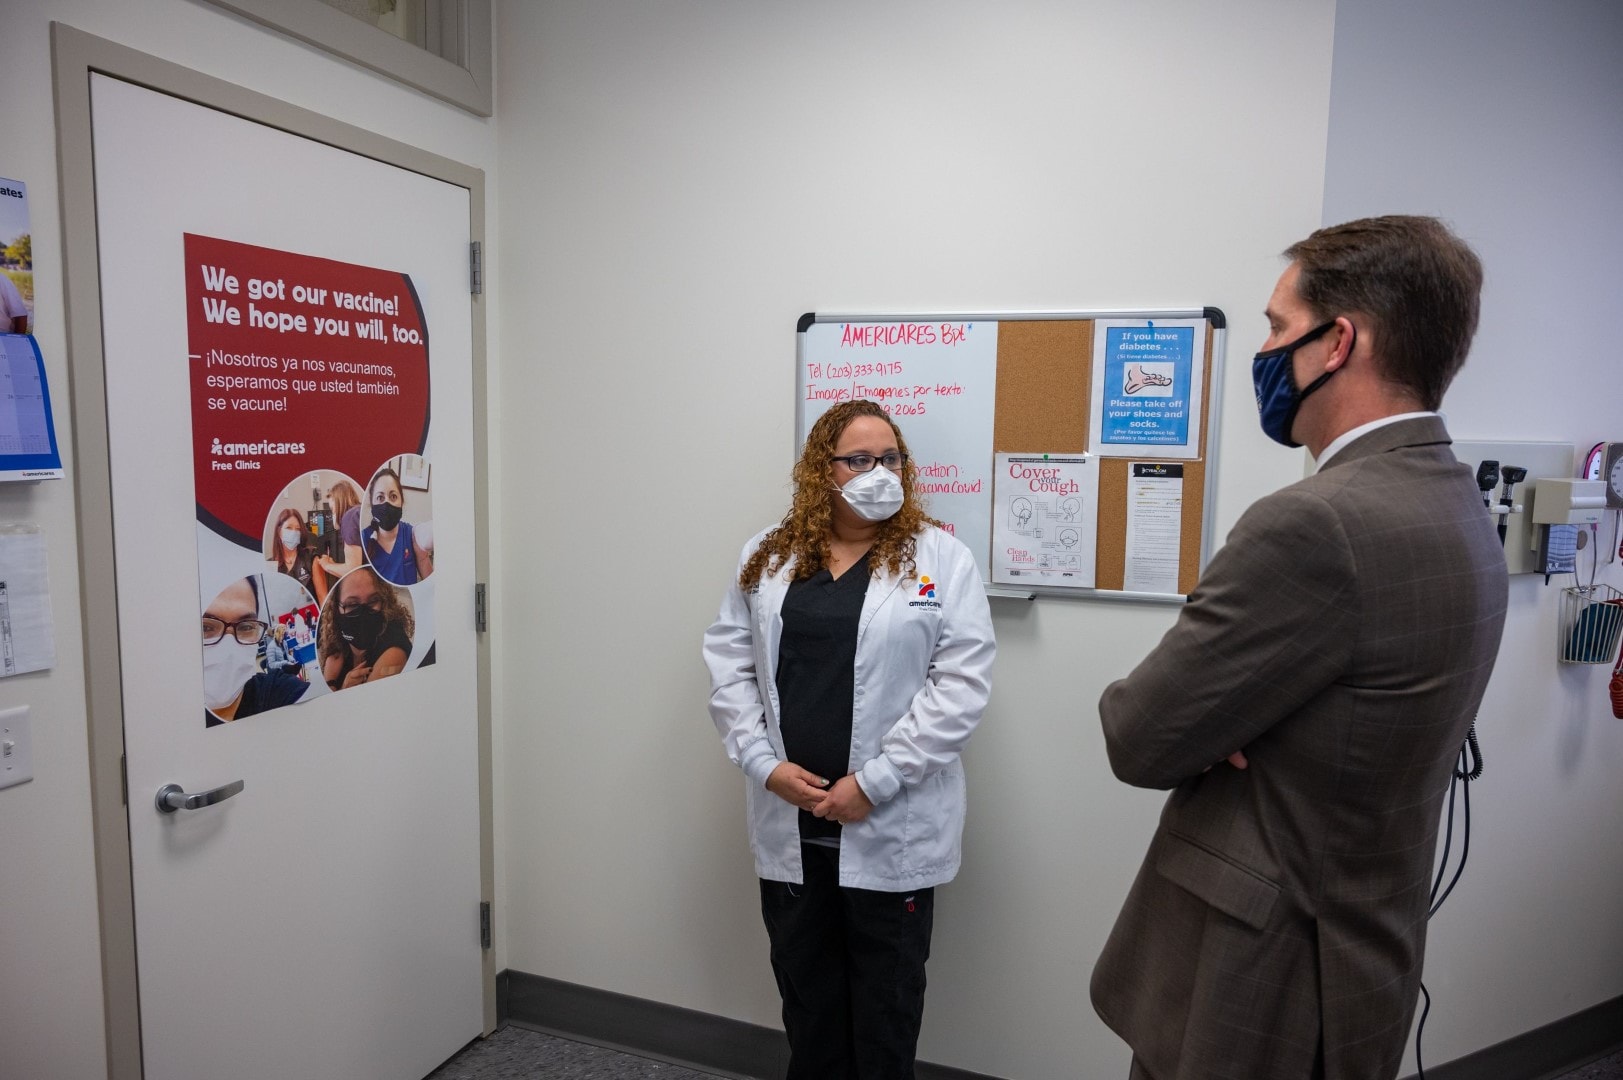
(1121, 442)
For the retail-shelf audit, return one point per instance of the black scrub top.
(816, 678)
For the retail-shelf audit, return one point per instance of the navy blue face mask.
(1277, 397)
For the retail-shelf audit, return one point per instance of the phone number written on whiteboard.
(902, 398)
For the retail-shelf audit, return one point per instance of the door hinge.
(124, 777)
(481, 617)
(484, 924)
(476, 267)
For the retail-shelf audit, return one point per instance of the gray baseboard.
(1544, 1053)
(653, 1029)
(734, 1048)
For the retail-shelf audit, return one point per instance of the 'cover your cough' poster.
(310, 425)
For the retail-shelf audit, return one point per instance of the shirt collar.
(1341, 441)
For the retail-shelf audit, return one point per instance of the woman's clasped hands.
(843, 801)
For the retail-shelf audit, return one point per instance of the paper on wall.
(1154, 526)
(1148, 379)
(26, 639)
(1045, 519)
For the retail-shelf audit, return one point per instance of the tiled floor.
(1610, 1068)
(516, 1054)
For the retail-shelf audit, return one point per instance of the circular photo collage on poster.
(334, 607)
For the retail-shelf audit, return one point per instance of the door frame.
(75, 56)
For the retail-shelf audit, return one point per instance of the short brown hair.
(1417, 283)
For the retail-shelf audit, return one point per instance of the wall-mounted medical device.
(1561, 506)
(1559, 500)
(1605, 463)
(1509, 475)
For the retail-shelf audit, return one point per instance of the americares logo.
(927, 594)
(247, 454)
(225, 449)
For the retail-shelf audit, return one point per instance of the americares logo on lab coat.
(927, 594)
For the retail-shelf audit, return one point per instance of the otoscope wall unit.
(1563, 501)
(1509, 474)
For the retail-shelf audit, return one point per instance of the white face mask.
(290, 538)
(227, 665)
(875, 495)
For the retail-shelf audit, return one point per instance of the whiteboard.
(937, 376)
(936, 380)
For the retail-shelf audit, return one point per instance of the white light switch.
(16, 748)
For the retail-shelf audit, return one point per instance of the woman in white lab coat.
(849, 665)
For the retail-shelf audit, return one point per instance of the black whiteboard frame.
(1213, 407)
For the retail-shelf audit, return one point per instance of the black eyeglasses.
(246, 631)
(350, 607)
(866, 462)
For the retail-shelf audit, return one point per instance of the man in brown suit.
(1309, 703)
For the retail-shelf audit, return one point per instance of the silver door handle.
(172, 797)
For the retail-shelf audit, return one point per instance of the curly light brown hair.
(804, 532)
(395, 613)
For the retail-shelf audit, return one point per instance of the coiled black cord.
(1467, 767)
(1470, 752)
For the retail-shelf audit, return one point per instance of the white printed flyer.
(1154, 526)
(1045, 514)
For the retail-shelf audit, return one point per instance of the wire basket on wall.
(1591, 624)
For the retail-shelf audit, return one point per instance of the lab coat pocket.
(921, 612)
(935, 820)
(774, 828)
(1235, 890)
(905, 622)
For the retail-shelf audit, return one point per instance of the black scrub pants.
(850, 968)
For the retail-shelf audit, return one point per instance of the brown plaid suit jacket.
(1343, 637)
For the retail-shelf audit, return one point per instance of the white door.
(323, 922)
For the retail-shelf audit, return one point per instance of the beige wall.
(703, 173)
(685, 180)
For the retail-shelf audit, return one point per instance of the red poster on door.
(310, 427)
